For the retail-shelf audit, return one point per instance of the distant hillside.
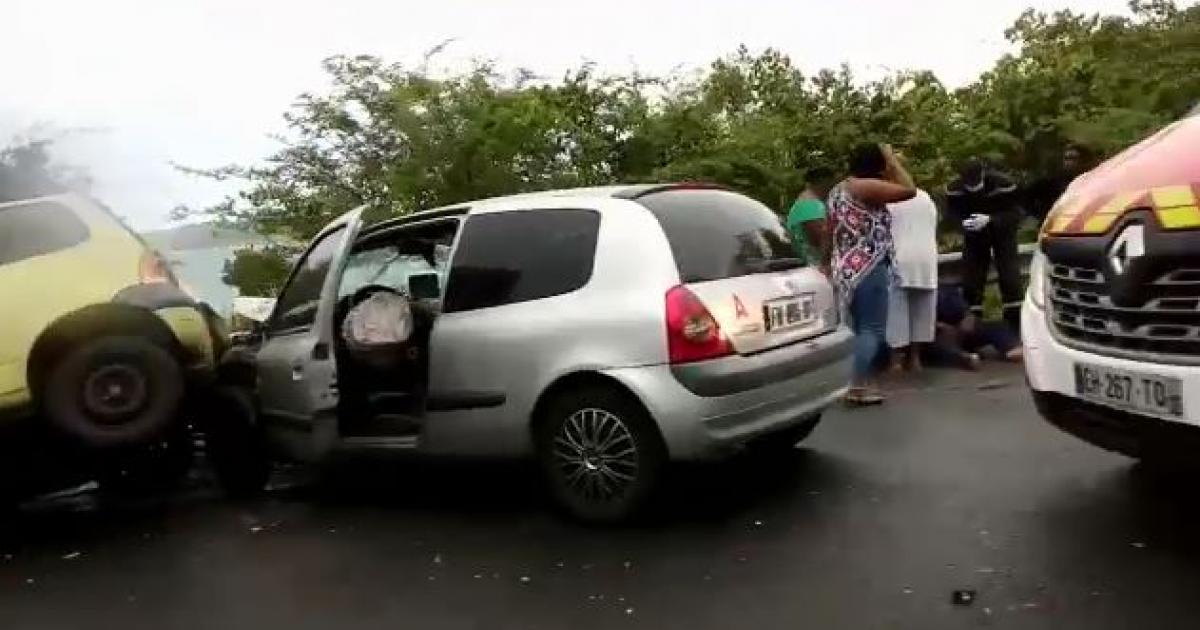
(201, 236)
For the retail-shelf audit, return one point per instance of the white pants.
(912, 316)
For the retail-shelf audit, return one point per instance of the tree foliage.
(257, 272)
(26, 171)
(401, 140)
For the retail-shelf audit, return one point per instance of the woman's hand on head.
(879, 192)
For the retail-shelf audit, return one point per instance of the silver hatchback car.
(603, 331)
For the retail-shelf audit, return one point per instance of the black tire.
(594, 488)
(234, 444)
(785, 441)
(152, 468)
(78, 399)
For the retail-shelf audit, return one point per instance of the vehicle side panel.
(50, 286)
(496, 362)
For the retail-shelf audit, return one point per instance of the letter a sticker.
(739, 309)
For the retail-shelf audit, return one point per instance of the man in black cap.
(984, 202)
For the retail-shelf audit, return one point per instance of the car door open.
(297, 373)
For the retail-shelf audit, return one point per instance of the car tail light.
(692, 333)
(153, 268)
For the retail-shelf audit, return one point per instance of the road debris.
(963, 597)
(71, 556)
(628, 611)
(907, 590)
(525, 579)
(437, 558)
(1138, 545)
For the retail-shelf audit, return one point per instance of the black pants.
(999, 241)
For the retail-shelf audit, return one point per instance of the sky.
(134, 86)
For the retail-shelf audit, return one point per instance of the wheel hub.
(596, 455)
(115, 391)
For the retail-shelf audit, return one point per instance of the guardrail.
(950, 265)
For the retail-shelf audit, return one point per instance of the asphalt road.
(954, 485)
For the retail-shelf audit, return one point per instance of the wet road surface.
(875, 523)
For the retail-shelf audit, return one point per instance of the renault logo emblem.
(1129, 245)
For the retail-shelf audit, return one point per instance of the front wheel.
(601, 453)
(234, 444)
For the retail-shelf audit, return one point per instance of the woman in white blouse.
(912, 308)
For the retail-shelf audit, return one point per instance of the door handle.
(297, 371)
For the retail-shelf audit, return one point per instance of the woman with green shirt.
(806, 219)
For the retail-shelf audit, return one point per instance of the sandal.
(862, 397)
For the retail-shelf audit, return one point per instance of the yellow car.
(99, 347)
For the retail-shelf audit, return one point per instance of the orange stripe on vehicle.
(1121, 202)
(1063, 214)
(1179, 217)
(1104, 215)
(1098, 224)
(1172, 196)
(1084, 224)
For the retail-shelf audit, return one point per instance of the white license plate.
(1146, 393)
(790, 312)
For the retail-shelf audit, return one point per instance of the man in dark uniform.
(1044, 193)
(984, 202)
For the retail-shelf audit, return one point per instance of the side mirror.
(424, 286)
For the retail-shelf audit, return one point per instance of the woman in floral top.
(861, 264)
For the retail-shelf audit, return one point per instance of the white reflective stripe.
(1016, 304)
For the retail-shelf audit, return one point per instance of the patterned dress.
(862, 238)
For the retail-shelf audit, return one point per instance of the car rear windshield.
(38, 228)
(716, 234)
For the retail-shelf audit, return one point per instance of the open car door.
(297, 371)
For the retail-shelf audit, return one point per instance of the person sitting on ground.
(806, 219)
(961, 335)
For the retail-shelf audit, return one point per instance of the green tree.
(398, 140)
(257, 272)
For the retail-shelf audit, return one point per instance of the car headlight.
(1037, 279)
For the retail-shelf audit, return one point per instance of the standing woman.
(912, 313)
(862, 255)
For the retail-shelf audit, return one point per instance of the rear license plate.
(1145, 393)
(790, 312)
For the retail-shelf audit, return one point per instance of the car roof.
(617, 191)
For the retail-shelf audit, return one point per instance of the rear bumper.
(1049, 368)
(792, 384)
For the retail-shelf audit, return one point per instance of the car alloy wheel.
(596, 455)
